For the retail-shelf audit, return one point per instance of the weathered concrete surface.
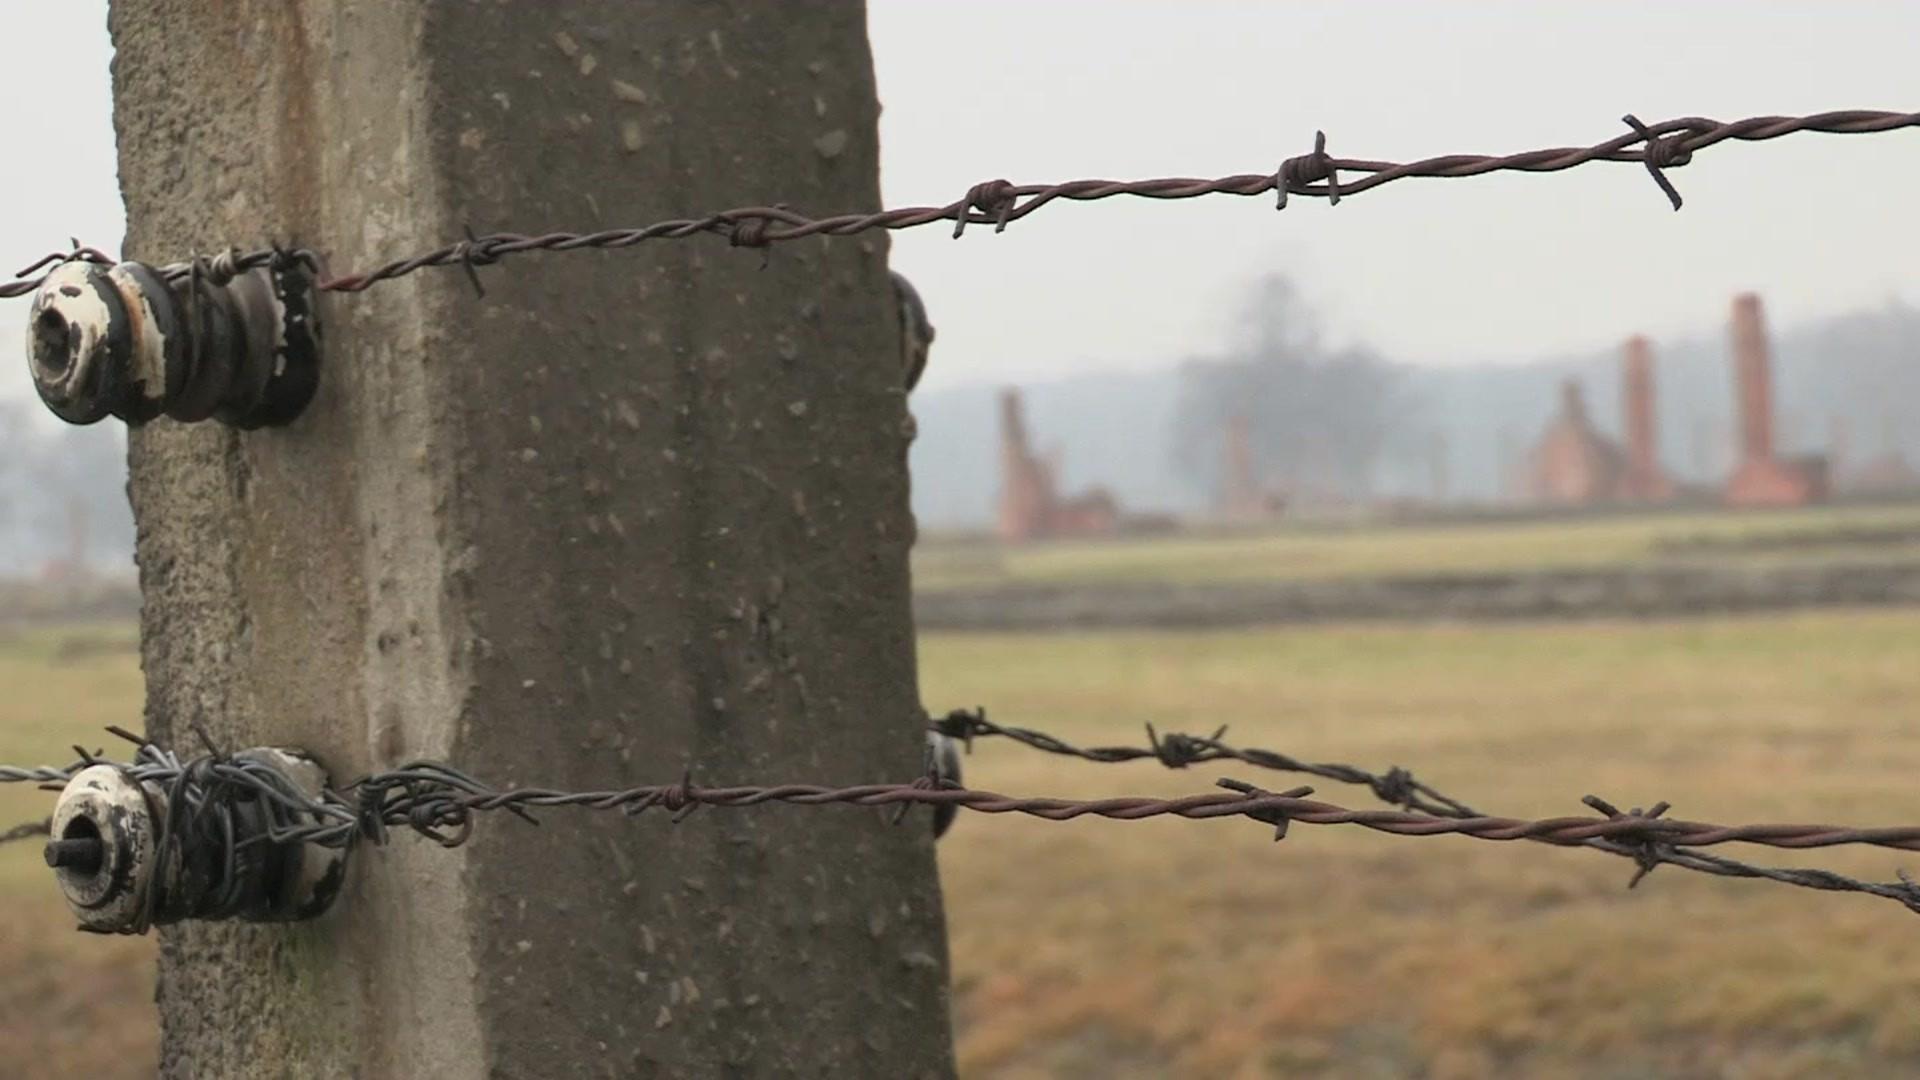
(631, 512)
(1666, 591)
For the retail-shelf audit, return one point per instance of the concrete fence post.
(630, 513)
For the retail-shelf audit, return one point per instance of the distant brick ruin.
(1886, 473)
(1031, 507)
(1761, 477)
(73, 565)
(1645, 480)
(1573, 464)
(1243, 497)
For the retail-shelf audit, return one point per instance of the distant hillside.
(1114, 430)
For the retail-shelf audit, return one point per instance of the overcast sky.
(1501, 267)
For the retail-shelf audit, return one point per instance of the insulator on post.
(121, 341)
(127, 858)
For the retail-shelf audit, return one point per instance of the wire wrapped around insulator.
(220, 342)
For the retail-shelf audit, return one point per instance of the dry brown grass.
(70, 1004)
(1203, 949)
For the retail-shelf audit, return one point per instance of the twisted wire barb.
(1398, 787)
(1657, 147)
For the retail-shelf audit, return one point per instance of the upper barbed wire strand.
(1665, 145)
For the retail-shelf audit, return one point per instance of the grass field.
(1203, 949)
(1321, 552)
(73, 1004)
(1207, 950)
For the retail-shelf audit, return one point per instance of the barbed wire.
(439, 801)
(1659, 147)
(27, 829)
(1398, 787)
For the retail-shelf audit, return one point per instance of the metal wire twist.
(1657, 147)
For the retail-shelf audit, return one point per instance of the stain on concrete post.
(634, 511)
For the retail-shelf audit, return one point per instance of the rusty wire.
(27, 829)
(1657, 147)
(1398, 787)
(440, 802)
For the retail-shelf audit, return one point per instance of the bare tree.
(1317, 417)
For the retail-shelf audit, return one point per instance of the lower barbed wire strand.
(406, 793)
(1398, 787)
(431, 798)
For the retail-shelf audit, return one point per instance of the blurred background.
(1524, 482)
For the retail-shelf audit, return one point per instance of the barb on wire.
(1661, 154)
(1397, 787)
(1669, 144)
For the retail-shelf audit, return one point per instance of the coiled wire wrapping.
(219, 823)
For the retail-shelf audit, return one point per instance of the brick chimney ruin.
(1026, 484)
(1031, 507)
(1762, 477)
(1572, 464)
(1243, 496)
(1752, 379)
(1645, 480)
